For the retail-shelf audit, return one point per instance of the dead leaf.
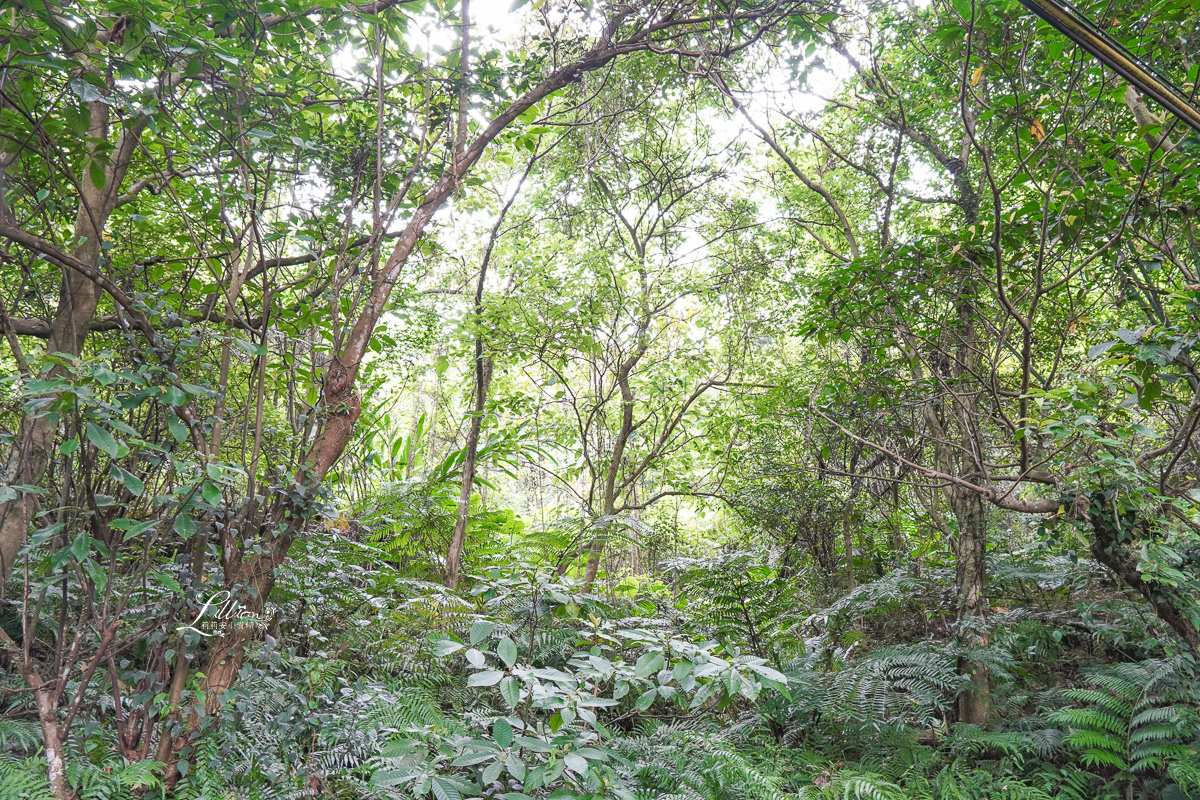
(1037, 130)
(977, 75)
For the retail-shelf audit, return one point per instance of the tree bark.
(78, 297)
(251, 584)
(1123, 561)
(46, 699)
(483, 377)
(596, 548)
(848, 543)
(970, 582)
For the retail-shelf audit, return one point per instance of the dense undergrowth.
(722, 682)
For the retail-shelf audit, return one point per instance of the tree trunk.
(77, 301)
(970, 584)
(251, 585)
(47, 705)
(1123, 561)
(596, 548)
(848, 541)
(483, 376)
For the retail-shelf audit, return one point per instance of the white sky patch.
(498, 16)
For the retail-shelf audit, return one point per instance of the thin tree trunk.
(848, 543)
(483, 377)
(970, 578)
(482, 371)
(46, 699)
(596, 548)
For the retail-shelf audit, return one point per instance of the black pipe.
(1082, 31)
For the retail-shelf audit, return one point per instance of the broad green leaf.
(576, 763)
(481, 629)
(102, 439)
(445, 790)
(444, 647)
(185, 526)
(133, 484)
(178, 430)
(139, 528)
(510, 690)
(516, 767)
(211, 493)
(492, 773)
(174, 396)
(502, 732)
(488, 677)
(507, 650)
(648, 664)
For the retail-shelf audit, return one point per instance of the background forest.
(707, 399)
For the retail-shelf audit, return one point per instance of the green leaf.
(141, 527)
(646, 700)
(516, 767)
(576, 763)
(471, 758)
(444, 647)
(211, 493)
(132, 483)
(556, 675)
(502, 732)
(492, 773)
(178, 430)
(185, 526)
(445, 790)
(174, 396)
(481, 629)
(507, 650)
(97, 175)
(102, 439)
(767, 672)
(81, 546)
(251, 348)
(488, 677)
(648, 664)
(510, 690)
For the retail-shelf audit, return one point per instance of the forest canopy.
(654, 400)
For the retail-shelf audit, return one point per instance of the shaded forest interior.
(573, 399)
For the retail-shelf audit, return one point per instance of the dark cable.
(1073, 24)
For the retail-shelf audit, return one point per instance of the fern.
(24, 779)
(19, 735)
(908, 685)
(736, 600)
(1136, 720)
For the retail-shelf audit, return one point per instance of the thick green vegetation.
(706, 399)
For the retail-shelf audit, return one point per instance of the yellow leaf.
(1037, 130)
(977, 75)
